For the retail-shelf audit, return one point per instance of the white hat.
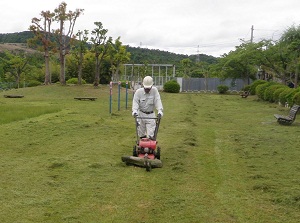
(147, 82)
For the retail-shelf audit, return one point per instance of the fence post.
(126, 94)
(110, 97)
(119, 94)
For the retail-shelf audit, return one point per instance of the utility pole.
(251, 40)
(198, 56)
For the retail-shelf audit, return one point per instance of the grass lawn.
(225, 158)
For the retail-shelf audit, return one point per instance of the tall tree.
(118, 55)
(79, 49)
(15, 65)
(101, 44)
(64, 33)
(291, 37)
(41, 27)
(186, 65)
(274, 59)
(241, 63)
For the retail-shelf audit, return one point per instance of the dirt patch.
(16, 47)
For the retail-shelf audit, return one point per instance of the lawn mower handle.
(156, 127)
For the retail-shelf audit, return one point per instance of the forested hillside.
(22, 64)
(138, 55)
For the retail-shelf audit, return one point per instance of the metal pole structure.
(110, 97)
(119, 94)
(126, 95)
(251, 39)
(166, 76)
(125, 72)
(173, 70)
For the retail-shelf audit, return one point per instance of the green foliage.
(277, 92)
(75, 81)
(296, 98)
(18, 37)
(240, 63)
(141, 55)
(123, 84)
(33, 83)
(246, 88)
(254, 85)
(197, 73)
(222, 89)
(269, 92)
(291, 95)
(286, 96)
(172, 87)
(260, 89)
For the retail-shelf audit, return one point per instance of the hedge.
(255, 84)
(260, 89)
(269, 92)
(286, 96)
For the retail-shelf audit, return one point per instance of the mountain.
(18, 41)
(141, 55)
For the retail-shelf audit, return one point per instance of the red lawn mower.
(145, 153)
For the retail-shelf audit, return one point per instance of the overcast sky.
(211, 27)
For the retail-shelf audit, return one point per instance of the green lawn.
(225, 158)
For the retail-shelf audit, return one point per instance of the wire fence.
(210, 84)
(192, 84)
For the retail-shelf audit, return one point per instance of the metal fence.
(159, 81)
(209, 84)
(193, 84)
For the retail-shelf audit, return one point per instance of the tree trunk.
(117, 73)
(296, 76)
(283, 79)
(47, 69)
(97, 72)
(80, 68)
(62, 52)
(62, 69)
(18, 80)
(296, 79)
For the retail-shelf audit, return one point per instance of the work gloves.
(134, 114)
(160, 113)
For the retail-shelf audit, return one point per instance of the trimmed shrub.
(290, 96)
(172, 87)
(255, 84)
(277, 93)
(269, 92)
(260, 89)
(286, 96)
(222, 89)
(296, 98)
(33, 83)
(74, 80)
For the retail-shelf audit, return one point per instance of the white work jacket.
(147, 102)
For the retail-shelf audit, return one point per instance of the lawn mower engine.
(147, 148)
